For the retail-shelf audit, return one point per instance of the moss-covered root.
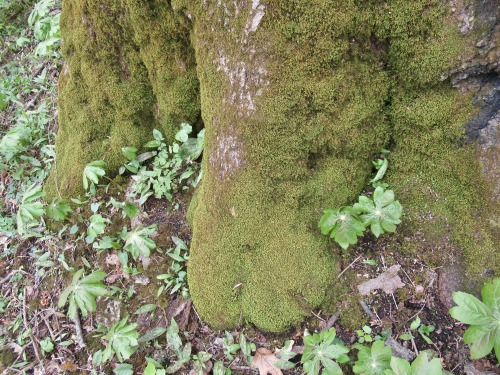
(109, 97)
(289, 131)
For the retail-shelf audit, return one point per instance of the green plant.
(420, 366)
(423, 329)
(58, 209)
(343, 225)
(152, 370)
(121, 339)
(91, 174)
(175, 278)
(82, 292)
(483, 335)
(47, 345)
(381, 213)
(172, 167)
(364, 334)
(372, 360)
(30, 210)
(199, 362)
(46, 28)
(138, 243)
(246, 348)
(219, 369)
(323, 350)
(128, 209)
(182, 353)
(229, 347)
(96, 227)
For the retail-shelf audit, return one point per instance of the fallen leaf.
(264, 360)
(388, 281)
(233, 212)
(69, 366)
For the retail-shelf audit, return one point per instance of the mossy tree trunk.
(297, 97)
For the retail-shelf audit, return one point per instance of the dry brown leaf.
(264, 360)
(388, 281)
(69, 366)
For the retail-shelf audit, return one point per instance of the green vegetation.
(322, 350)
(380, 214)
(82, 293)
(175, 279)
(483, 335)
(251, 225)
(121, 339)
(171, 168)
(122, 78)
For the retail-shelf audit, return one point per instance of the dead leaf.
(232, 211)
(388, 281)
(69, 366)
(264, 359)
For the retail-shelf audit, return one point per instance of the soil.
(390, 314)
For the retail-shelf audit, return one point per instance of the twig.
(26, 326)
(414, 345)
(196, 312)
(349, 266)
(332, 320)
(394, 299)
(242, 368)
(32, 102)
(399, 350)
(411, 281)
(6, 278)
(317, 316)
(78, 330)
(366, 308)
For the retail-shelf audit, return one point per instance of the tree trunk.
(297, 97)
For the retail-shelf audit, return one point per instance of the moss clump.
(128, 69)
(330, 83)
(304, 144)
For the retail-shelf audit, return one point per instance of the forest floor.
(42, 247)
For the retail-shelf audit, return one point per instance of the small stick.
(26, 326)
(349, 266)
(332, 320)
(6, 278)
(366, 308)
(317, 316)
(78, 330)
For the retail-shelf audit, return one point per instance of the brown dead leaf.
(388, 281)
(69, 366)
(264, 360)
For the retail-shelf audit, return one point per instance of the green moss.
(256, 254)
(129, 68)
(441, 185)
(342, 79)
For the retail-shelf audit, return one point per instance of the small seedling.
(323, 351)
